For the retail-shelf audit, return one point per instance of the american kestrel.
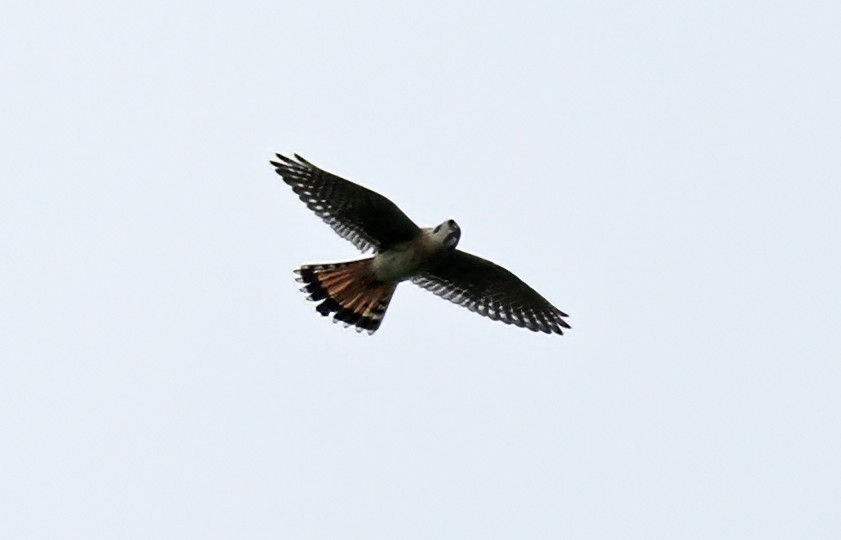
(358, 292)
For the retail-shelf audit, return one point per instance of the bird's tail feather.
(350, 290)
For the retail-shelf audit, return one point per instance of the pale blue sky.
(666, 173)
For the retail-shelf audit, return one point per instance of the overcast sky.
(668, 173)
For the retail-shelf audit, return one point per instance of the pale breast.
(402, 261)
(397, 264)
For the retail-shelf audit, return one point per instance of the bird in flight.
(358, 292)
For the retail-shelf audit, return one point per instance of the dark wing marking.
(365, 218)
(492, 291)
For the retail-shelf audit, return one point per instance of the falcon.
(357, 293)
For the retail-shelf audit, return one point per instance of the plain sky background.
(668, 173)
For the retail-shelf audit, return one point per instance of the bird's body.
(406, 259)
(358, 292)
(403, 260)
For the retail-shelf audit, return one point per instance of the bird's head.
(447, 233)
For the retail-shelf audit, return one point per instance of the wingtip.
(302, 160)
(283, 161)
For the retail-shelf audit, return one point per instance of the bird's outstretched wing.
(365, 218)
(490, 290)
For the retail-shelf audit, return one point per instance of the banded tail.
(350, 290)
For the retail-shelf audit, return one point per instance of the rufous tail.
(349, 290)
